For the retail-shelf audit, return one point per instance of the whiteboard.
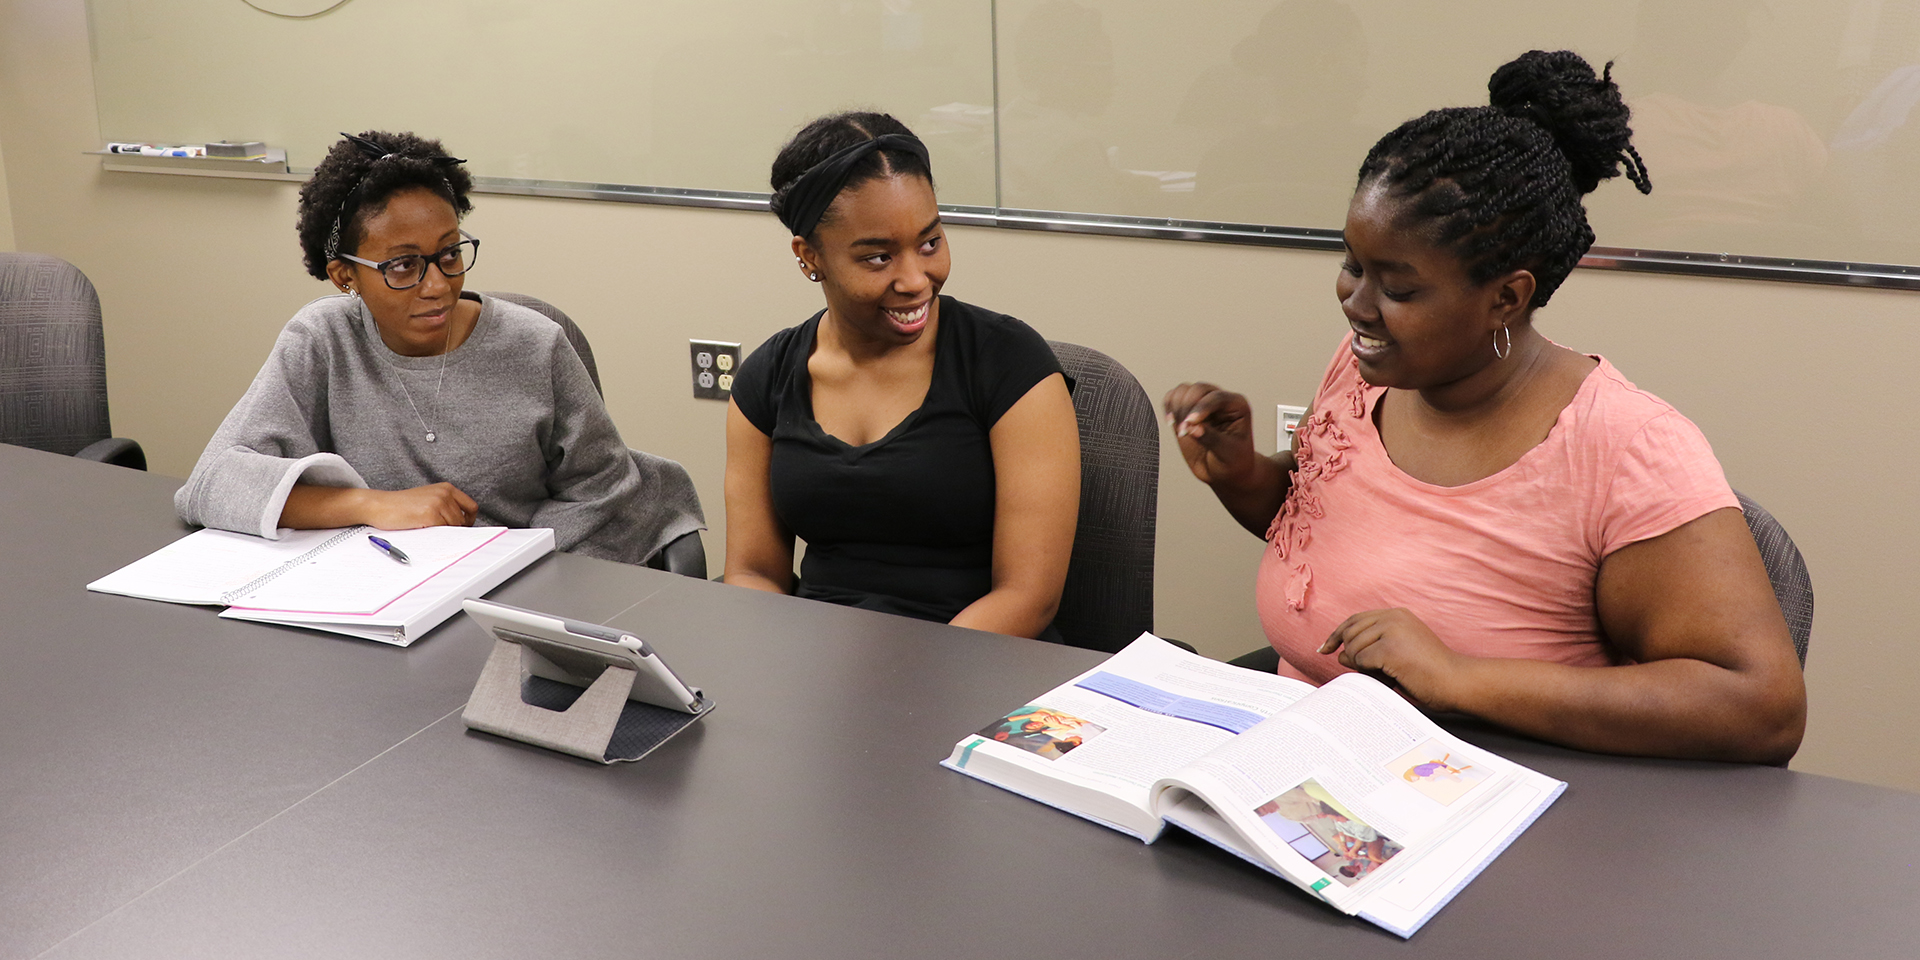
(1772, 128)
(683, 93)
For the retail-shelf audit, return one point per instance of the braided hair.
(829, 135)
(356, 179)
(1500, 185)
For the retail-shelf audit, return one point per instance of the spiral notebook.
(333, 580)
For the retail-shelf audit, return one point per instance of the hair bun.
(1583, 112)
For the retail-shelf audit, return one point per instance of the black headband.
(348, 200)
(813, 193)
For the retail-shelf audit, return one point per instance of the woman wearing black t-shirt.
(926, 450)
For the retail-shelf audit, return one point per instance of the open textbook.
(1345, 790)
(333, 580)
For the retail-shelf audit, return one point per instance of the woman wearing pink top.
(1499, 525)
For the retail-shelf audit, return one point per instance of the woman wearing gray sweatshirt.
(404, 402)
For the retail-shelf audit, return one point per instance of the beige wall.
(196, 276)
(6, 209)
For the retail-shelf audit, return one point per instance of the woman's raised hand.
(1215, 431)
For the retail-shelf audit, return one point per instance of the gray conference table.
(175, 785)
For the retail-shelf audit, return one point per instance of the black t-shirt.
(903, 524)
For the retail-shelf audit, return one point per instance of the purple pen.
(388, 549)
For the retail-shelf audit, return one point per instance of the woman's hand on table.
(1397, 645)
(435, 505)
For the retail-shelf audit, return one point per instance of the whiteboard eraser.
(247, 150)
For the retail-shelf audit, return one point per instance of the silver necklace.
(445, 350)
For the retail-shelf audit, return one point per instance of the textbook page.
(1096, 745)
(202, 566)
(1357, 796)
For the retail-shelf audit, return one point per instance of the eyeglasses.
(405, 273)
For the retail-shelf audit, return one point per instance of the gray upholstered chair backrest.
(574, 336)
(53, 364)
(686, 555)
(1792, 585)
(1108, 598)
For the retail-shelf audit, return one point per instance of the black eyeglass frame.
(425, 261)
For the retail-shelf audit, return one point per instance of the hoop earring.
(1498, 355)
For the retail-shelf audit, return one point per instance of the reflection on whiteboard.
(1780, 128)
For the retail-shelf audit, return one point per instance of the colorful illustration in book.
(1038, 730)
(1441, 774)
(1324, 831)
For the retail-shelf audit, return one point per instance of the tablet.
(575, 653)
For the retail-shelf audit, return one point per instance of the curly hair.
(1500, 185)
(829, 135)
(353, 183)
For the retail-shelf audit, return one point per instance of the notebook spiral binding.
(233, 596)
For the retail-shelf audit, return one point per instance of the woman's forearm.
(1669, 708)
(311, 507)
(753, 581)
(1012, 611)
(1254, 497)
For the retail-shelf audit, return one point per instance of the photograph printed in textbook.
(1038, 730)
(1321, 829)
(1442, 775)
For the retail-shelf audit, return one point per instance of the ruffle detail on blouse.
(1322, 453)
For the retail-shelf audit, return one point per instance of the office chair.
(1108, 598)
(686, 555)
(572, 330)
(1786, 569)
(53, 363)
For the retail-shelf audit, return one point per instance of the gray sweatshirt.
(516, 421)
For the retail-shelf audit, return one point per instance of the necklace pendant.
(429, 436)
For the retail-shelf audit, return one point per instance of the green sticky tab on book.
(967, 754)
(1319, 885)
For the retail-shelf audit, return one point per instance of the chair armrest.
(686, 556)
(118, 451)
(1265, 660)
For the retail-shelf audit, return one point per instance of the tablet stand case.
(598, 724)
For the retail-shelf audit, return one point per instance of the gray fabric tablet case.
(598, 723)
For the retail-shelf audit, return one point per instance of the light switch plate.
(1289, 421)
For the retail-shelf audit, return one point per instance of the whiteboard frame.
(1885, 276)
(1629, 259)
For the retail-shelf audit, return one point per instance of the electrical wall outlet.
(1290, 417)
(714, 364)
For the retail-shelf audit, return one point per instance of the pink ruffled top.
(1504, 566)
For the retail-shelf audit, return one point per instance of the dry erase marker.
(388, 549)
